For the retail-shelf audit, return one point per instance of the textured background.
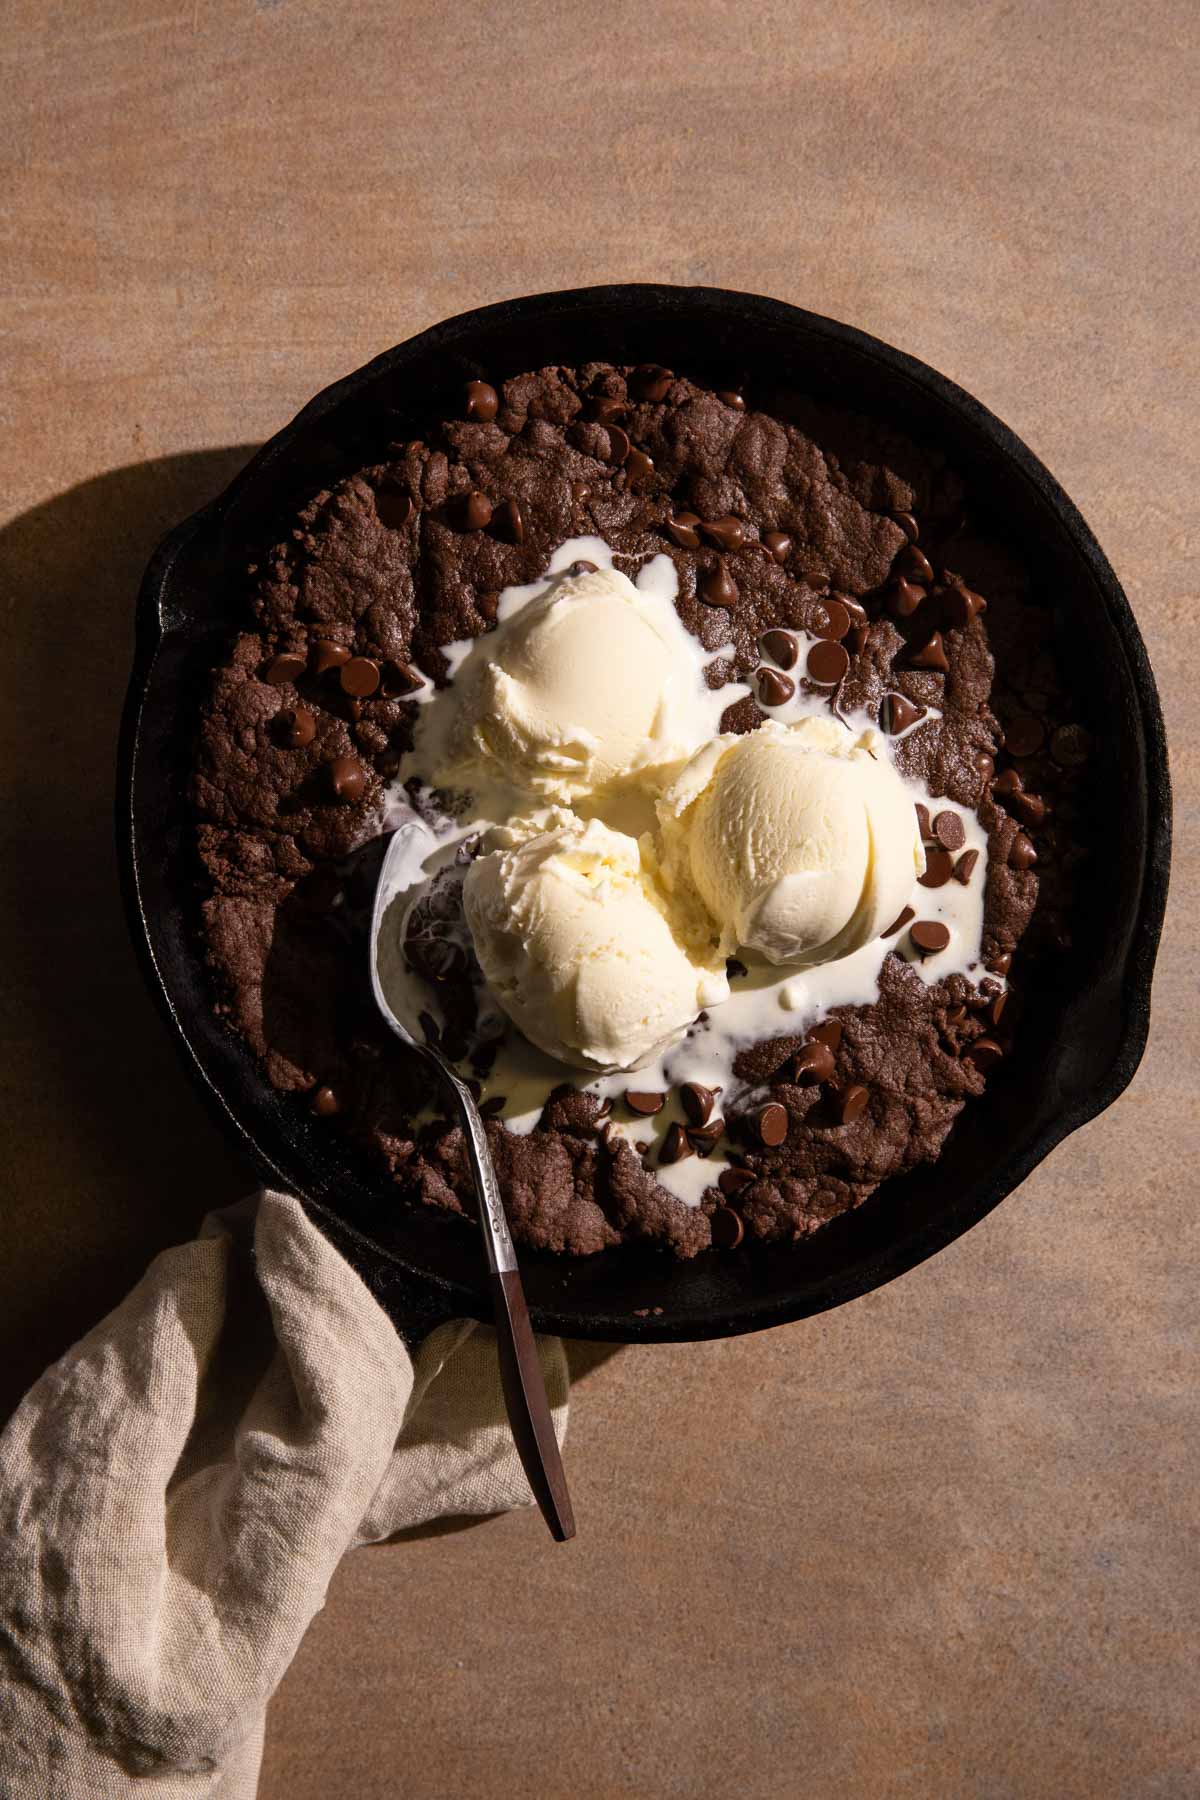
(944, 1540)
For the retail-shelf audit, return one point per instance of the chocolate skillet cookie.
(780, 515)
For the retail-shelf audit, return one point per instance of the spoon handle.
(497, 1239)
(528, 1407)
(525, 1396)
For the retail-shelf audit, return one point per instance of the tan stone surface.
(942, 1542)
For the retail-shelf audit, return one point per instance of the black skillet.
(1081, 1038)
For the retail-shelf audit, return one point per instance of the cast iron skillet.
(1080, 1041)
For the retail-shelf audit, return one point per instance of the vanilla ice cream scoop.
(800, 840)
(586, 686)
(574, 940)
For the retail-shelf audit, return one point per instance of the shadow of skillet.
(110, 1155)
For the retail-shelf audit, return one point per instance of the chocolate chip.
(956, 1016)
(1024, 736)
(324, 1103)
(287, 667)
(475, 512)
(896, 714)
(297, 726)
(900, 923)
(1022, 854)
(929, 936)
(639, 467)
(482, 402)
(995, 1008)
(964, 868)
(1071, 746)
(835, 622)
(781, 647)
(859, 638)
(931, 655)
(727, 533)
(675, 1145)
(773, 688)
(401, 678)
(1006, 783)
(393, 508)
(326, 655)
(347, 778)
(828, 1032)
(618, 443)
(771, 1124)
(985, 765)
(583, 567)
(607, 407)
(985, 1053)
(907, 524)
(727, 1228)
(813, 1064)
(1031, 809)
(827, 662)
(924, 825)
(731, 397)
(508, 523)
(652, 382)
(684, 528)
(779, 544)
(697, 1102)
(733, 1181)
(999, 964)
(913, 565)
(359, 677)
(939, 867)
(705, 1138)
(858, 614)
(949, 830)
(717, 587)
(903, 598)
(961, 605)
(644, 1104)
(850, 1102)
(580, 491)
(493, 1106)
(434, 958)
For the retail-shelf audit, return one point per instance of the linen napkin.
(177, 1491)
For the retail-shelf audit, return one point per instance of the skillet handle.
(527, 1405)
(414, 1326)
(414, 1306)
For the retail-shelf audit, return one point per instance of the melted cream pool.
(767, 1002)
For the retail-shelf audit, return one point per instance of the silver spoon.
(520, 1371)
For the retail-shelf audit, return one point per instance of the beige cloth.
(176, 1493)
